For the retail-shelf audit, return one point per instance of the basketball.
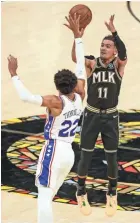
(84, 12)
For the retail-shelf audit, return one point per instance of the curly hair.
(65, 81)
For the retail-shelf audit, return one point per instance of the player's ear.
(115, 51)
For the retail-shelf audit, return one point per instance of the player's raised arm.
(122, 55)
(80, 67)
(79, 54)
(50, 101)
(89, 60)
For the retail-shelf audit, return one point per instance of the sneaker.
(111, 205)
(83, 204)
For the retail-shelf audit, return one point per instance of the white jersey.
(63, 127)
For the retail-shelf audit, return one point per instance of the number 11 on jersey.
(102, 92)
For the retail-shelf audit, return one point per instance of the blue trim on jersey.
(48, 128)
(44, 178)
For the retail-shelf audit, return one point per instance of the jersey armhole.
(63, 102)
(93, 69)
(116, 70)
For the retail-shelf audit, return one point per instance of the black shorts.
(95, 123)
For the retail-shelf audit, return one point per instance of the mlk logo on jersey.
(104, 76)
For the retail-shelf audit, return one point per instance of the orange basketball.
(84, 12)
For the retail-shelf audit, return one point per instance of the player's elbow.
(27, 98)
(24, 98)
(82, 94)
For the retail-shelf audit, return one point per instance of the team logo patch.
(111, 66)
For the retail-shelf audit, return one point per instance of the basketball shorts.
(55, 162)
(95, 123)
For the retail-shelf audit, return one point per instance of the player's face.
(107, 50)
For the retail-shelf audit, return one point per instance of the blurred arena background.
(34, 33)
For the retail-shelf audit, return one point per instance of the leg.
(110, 137)
(45, 213)
(112, 172)
(85, 159)
(46, 177)
(81, 188)
(89, 134)
(60, 181)
(65, 171)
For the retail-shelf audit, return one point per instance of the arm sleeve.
(24, 94)
(120, 47)
(80, 64)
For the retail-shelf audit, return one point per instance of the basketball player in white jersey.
(63, 113)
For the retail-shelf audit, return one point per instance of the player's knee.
(112, 166)
(84, 162)
(111, 156)
(82, 166)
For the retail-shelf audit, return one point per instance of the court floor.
(34, 33)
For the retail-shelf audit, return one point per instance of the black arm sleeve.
(91, 57)
(120, 46)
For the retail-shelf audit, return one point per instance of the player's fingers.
(78, 19)
(82, 31)
(107, 25)
(13, 60)
(67, 19)
(78, 22)
(12, 57)
(75, 17)
(16, 62)
(110, 20)
(113, 17)
(78, 27)
(71, 19)
(68, 26)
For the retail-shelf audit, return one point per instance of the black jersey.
(103, 86)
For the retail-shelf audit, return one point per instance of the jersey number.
(102, 92)
(66, 131)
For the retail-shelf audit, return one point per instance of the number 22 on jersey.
(69, 128)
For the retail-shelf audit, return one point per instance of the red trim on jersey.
(42, 159)
(51, 128)
(50, 172)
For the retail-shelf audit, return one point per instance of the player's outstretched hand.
(73, 24)
(12, 65)
(110, 25)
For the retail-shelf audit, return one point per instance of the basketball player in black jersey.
(104, 77)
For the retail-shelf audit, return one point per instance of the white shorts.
(55, 162)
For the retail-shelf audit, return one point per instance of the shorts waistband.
(101, 111)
